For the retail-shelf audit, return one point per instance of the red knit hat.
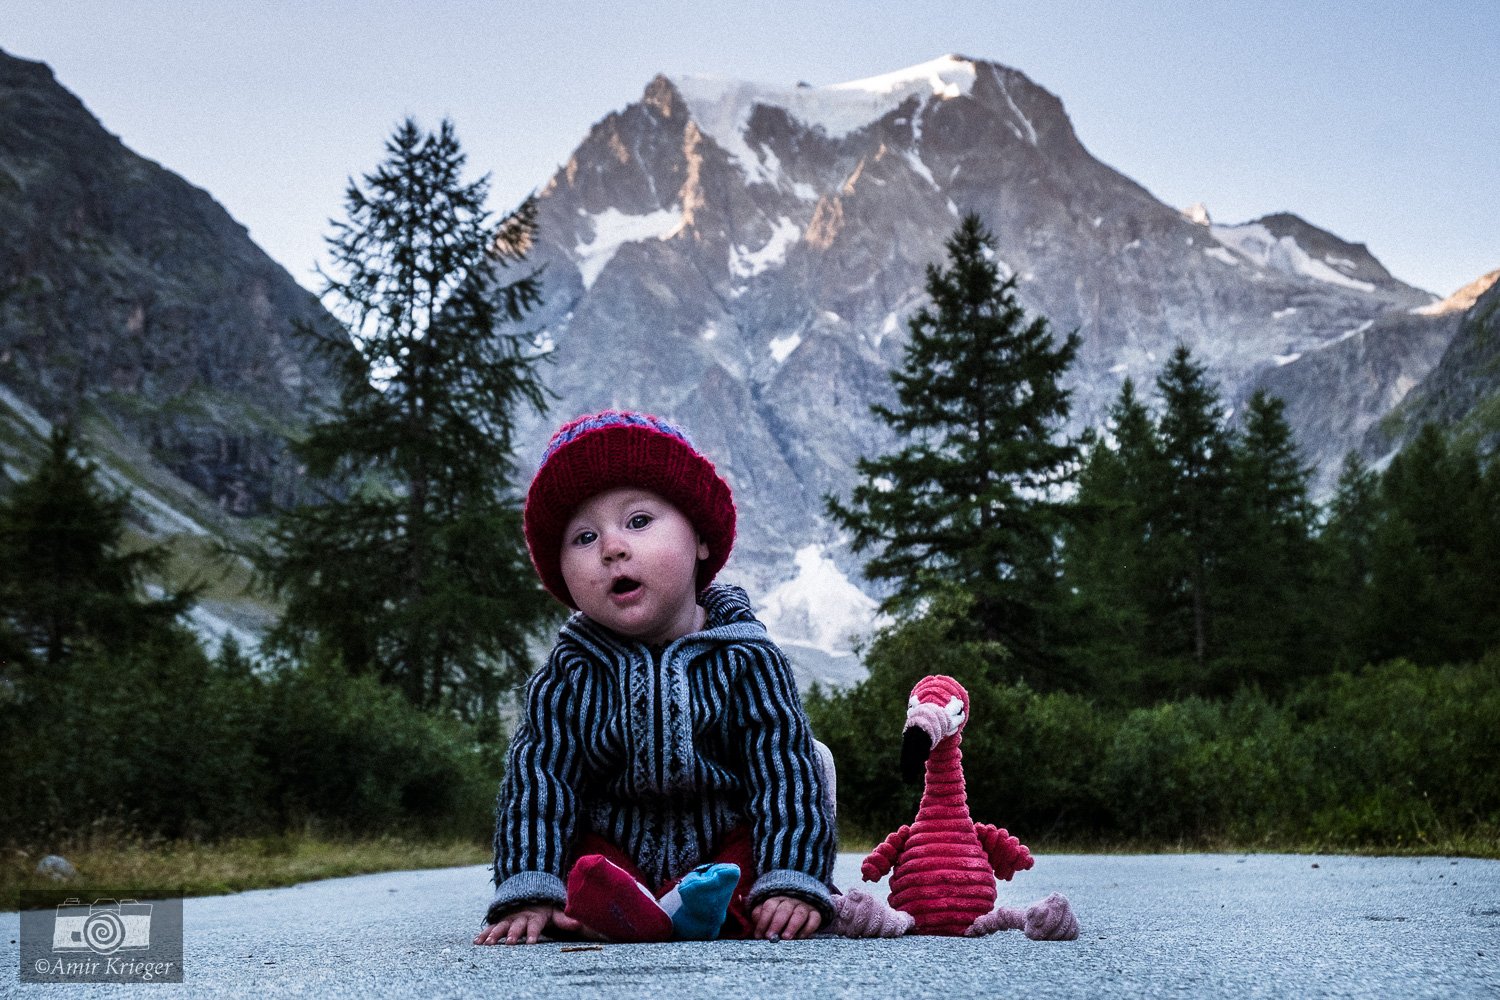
(604, 451)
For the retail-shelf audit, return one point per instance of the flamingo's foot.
(860, 915)
(1001, 918)
(1051, 919)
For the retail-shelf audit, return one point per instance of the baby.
(663, 781)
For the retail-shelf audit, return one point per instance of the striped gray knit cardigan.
(662, 752)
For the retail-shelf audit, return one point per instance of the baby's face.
(630, 560)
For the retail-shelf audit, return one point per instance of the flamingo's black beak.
(916, 744)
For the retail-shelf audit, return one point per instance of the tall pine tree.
(970, 500)
(1111, 565)
(412, 567)
(1197, 453)
(1424, 579)
(1346, 546)
(1267, 624)
(67, 581)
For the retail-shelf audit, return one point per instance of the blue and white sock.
(700, 902)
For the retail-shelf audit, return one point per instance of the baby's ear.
(702, 549)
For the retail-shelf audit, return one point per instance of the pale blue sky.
(1377, 120)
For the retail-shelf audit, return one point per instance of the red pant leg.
(592, 843)
(736, 848)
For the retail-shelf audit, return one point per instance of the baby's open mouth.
(624, 585)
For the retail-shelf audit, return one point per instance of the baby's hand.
(525, 926)
(785, 917)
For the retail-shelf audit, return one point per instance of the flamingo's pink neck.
(945, 778)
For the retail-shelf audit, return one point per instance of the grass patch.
(196, 560)
(193, 868)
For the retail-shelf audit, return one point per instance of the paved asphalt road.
(1154, 926)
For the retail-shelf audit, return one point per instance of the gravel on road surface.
(1152, 926)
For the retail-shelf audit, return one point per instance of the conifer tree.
(1196, 452)
(1345, 554)
(1484, 558)
(1267, 621)
(66, 581)
(412, 568)
(1109, 566)
(1424, 579)
(970, 499)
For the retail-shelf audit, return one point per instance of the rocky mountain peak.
(1291, 242)
(129, 294)
(744, 257)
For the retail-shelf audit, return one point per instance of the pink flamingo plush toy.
(943, 865)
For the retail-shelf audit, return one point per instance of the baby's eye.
(639, 521)
(584, 538)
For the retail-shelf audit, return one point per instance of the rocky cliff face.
(127, 293)
(744, 258)
(1462, 394)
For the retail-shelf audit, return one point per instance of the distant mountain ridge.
(739, 257)
(744, 257)
(128, 293)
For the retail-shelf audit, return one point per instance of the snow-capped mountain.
(739, 257)
(743, 258)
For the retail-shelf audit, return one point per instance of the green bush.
(1392, 756)
(862, 726)
(1405, 754)
(1031, 760)
(152, 738)
(160, 741)
(349, 754)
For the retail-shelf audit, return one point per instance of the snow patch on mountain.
(1259, 245)
(29, 416)
(212, 625)
(782, 347)
(613, 229)
(920, 168)
(1347, 334)
(722, 107)
(946, 76)
(747, 264)
(161, 518)
(820, 607)
(1030, 135)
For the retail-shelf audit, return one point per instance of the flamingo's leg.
(861, 915)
